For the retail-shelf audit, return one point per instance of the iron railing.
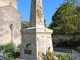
(74, 55)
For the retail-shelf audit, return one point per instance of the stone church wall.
(8, 2)
(8, 16)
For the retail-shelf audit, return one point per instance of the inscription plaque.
(27, 51)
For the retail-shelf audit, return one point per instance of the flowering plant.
(49, 55)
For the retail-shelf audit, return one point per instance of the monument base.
(56, 58)
(29, 59)
(35, 41)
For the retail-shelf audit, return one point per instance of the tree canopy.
(66, 20)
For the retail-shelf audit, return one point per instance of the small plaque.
(28, 52)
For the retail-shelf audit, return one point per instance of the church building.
(10, 22)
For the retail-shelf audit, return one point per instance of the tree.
(73, 2)
(78, 19)
(64, 20)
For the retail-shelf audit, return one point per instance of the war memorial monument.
(37, 38)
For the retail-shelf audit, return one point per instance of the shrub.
(63, 57)
(7, 47)
(9, 51)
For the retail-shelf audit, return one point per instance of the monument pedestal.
(35, 41)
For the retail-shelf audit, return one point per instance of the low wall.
(56, 37)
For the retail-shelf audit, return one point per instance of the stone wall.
(8, 16)
(8, 2)
(56, 37)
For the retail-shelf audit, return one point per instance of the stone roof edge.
(11, 6)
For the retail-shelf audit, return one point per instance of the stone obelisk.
(37, 38)
(36, 16)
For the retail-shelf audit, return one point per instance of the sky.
(49, 8)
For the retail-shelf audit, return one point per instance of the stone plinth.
(35, 41)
